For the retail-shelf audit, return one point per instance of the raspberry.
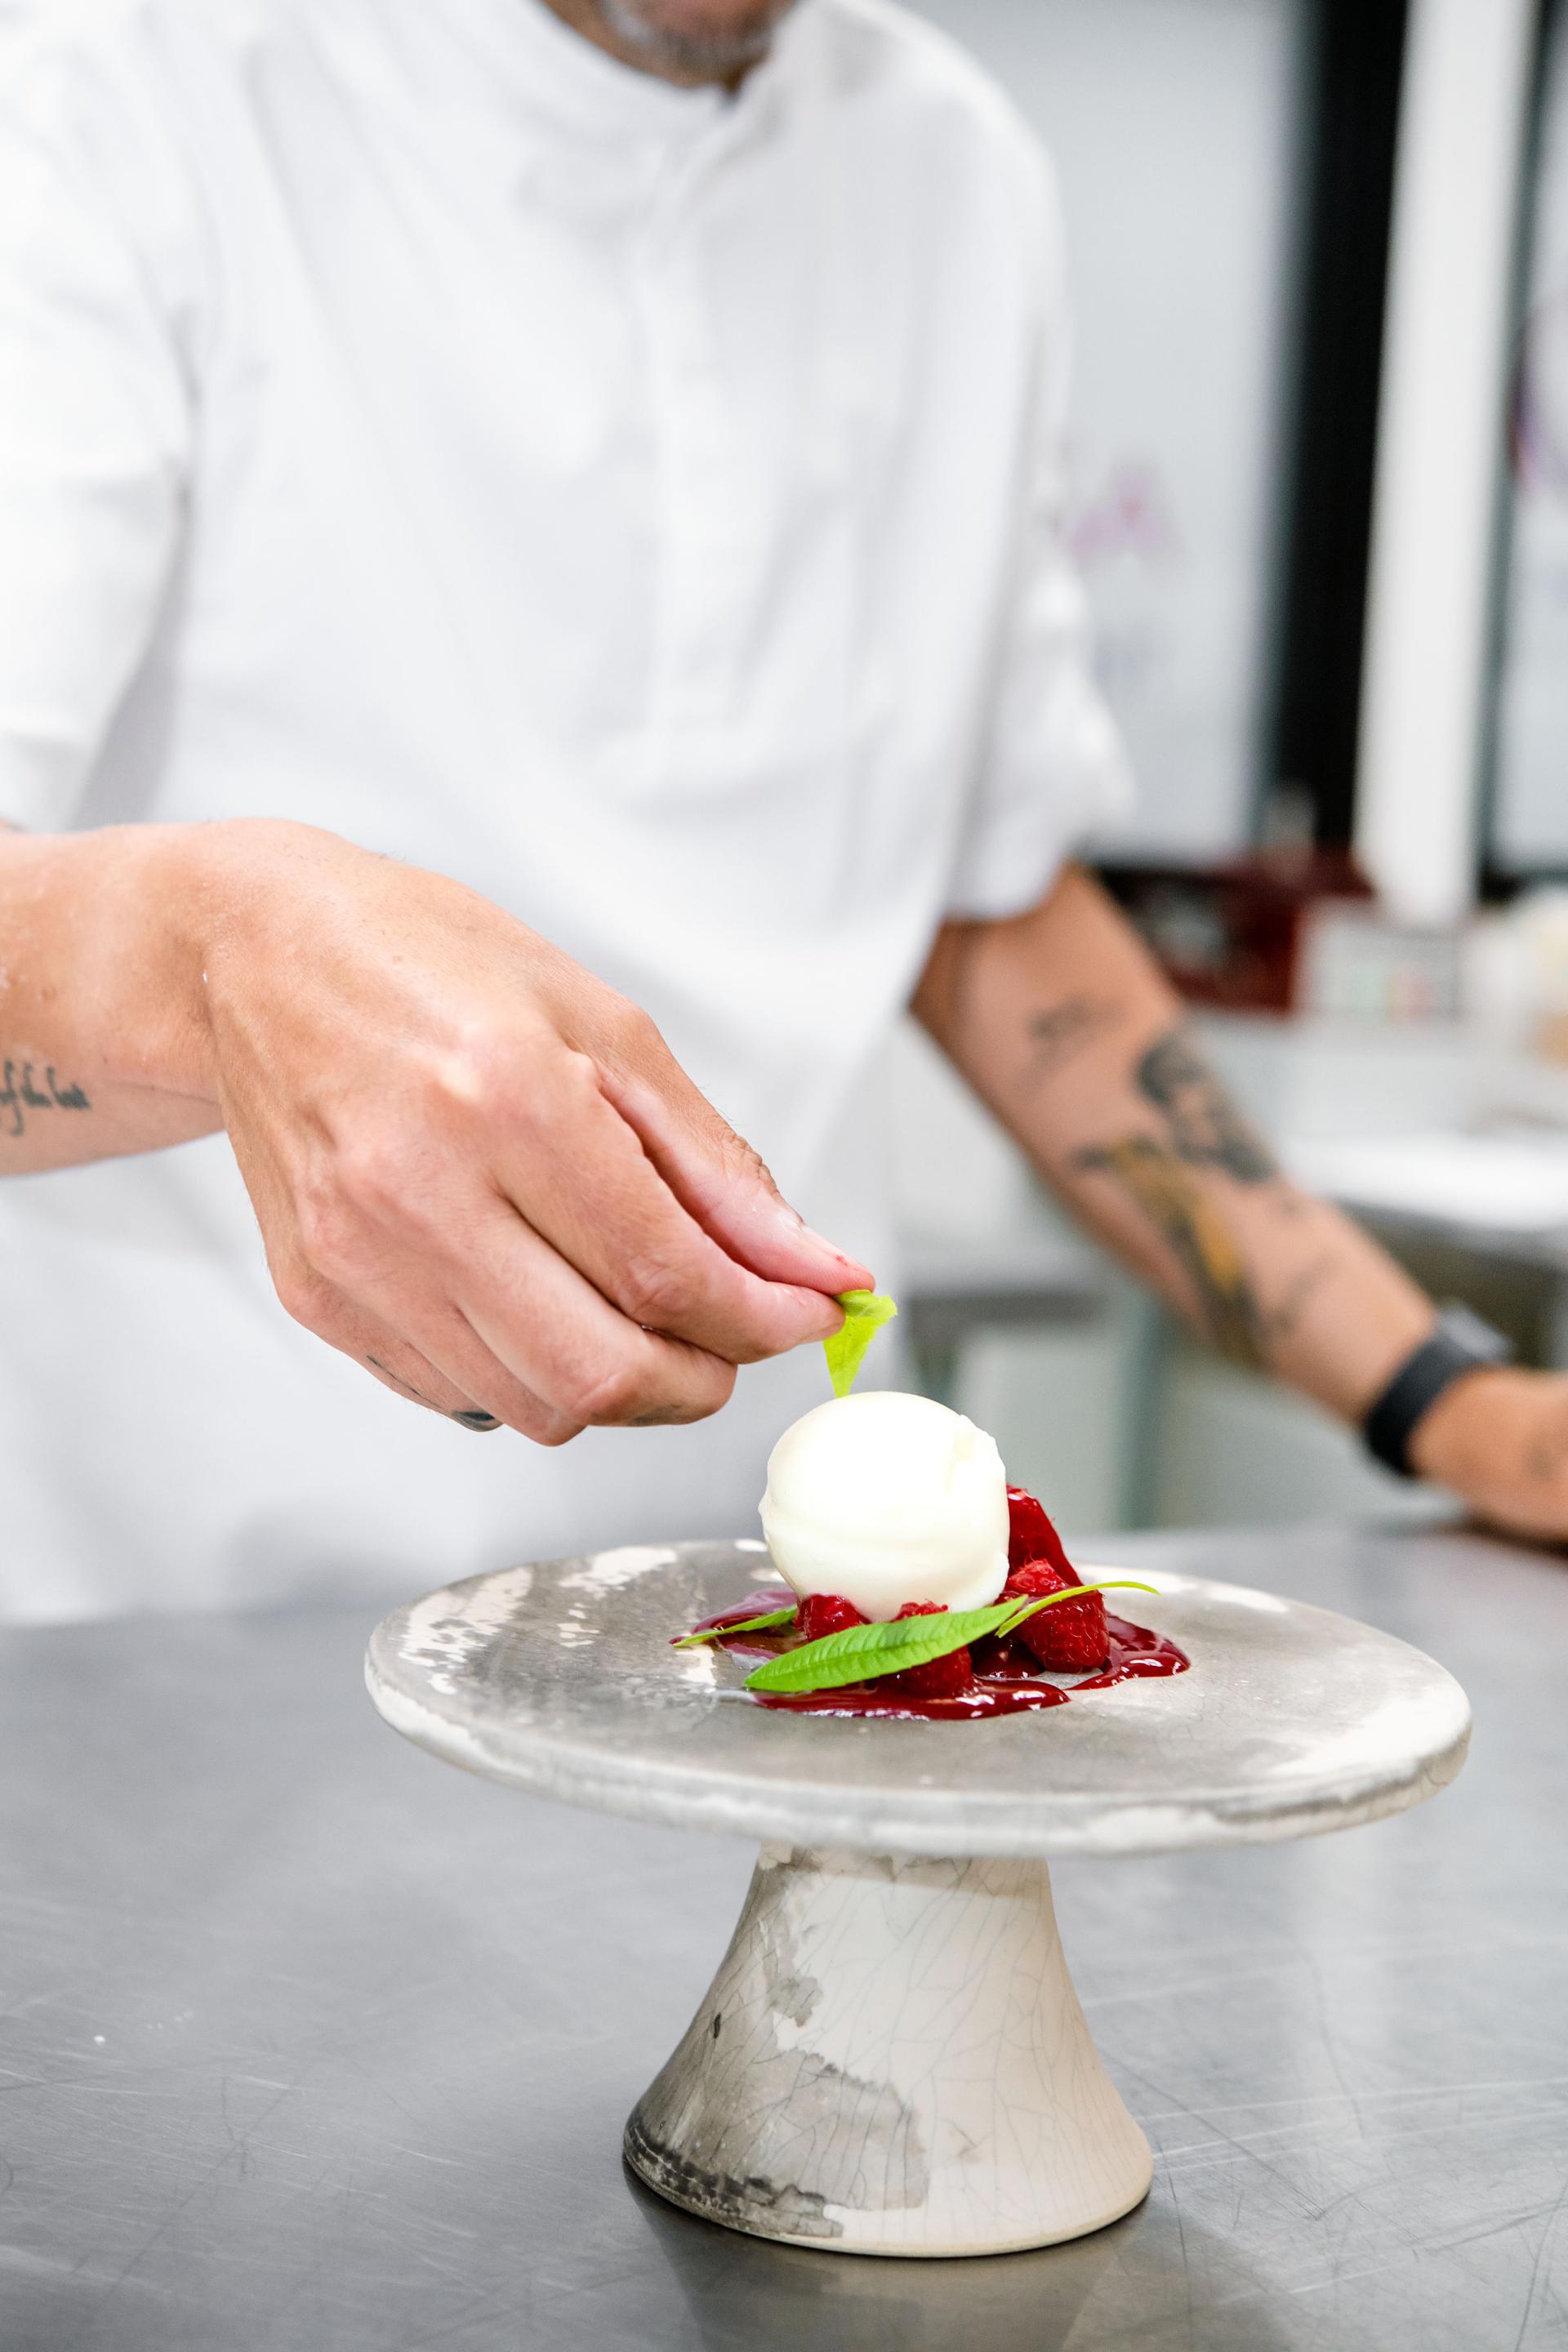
(1034, 1578)
(1031, 1534)
(947, 1678)
(1071, 1637)
(825, 1612)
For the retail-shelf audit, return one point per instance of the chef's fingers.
(407, 1373)
(413, 1241)
(467, 1384)
(713, 1171)
(580, 1177)
(497, 1310)
(556, 1334)
(328, 1267)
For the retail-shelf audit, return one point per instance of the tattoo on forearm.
(1204, 1125)
(1163, 1175)
(20, 1094)
(1197, 1234)
(1057, 1034)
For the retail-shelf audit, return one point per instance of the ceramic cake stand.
(892, 2059)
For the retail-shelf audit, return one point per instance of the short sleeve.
(94, 411)
(1054, 768)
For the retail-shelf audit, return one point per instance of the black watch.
(1460, 1343)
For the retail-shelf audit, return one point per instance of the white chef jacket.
(638, 502)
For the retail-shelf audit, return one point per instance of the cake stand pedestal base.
(892, 2060)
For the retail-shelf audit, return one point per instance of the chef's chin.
(701, 40)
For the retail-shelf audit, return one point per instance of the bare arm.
(100, 1044)
(477, 1169)
(1065, 1026)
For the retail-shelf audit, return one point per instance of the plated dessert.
(915, 1582)
(934, 2091)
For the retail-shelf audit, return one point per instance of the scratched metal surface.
(309, 2043)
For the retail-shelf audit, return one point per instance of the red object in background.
(1232, 934)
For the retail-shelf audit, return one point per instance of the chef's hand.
(479, 1170)
(1500, 1438)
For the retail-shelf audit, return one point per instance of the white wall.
(1463, 111)
(1531, 821)
(1172, 124)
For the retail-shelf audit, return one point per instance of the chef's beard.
(694, 56)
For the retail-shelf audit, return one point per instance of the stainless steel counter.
(310, 2045)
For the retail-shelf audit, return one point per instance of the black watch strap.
(1461, 1343)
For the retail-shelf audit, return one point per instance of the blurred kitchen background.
(1320, 500)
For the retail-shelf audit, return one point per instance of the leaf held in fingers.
(739, 1625)
(864, 1312)
(862, 1652)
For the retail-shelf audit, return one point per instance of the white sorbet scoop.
(885, 1498)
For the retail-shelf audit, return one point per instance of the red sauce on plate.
(1005, 1679)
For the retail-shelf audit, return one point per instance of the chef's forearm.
(103, 1043)
(1064, 1024)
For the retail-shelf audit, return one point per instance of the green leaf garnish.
(864, 1312)
(740, 1625)
(860, 1653)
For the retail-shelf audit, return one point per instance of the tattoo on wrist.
(1204, 1124)
(1057, 1034)
(21, 1094)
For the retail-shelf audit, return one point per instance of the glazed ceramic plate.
(560, 1678)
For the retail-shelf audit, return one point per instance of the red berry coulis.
(995, 1677)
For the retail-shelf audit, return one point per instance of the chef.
(533, 626)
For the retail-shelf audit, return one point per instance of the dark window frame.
(1356, 76)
